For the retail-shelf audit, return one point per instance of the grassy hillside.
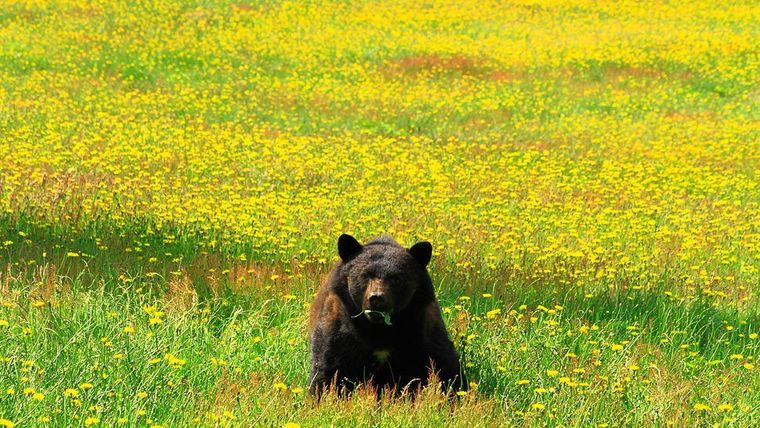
(174, 177)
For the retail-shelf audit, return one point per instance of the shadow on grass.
(135, 257)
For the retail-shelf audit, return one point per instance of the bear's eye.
(394, 277)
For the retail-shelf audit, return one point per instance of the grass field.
(174, 177)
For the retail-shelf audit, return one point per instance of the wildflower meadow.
(174, 176)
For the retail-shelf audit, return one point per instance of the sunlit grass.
(174, 176)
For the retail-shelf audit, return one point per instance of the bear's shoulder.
(327, 308)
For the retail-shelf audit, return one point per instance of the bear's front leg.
(336, 361)
(440, 350)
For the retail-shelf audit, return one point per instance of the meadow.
(174, 176)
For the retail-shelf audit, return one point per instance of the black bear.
(376, 320)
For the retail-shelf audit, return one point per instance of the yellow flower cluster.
(597, 148)
(545, 144)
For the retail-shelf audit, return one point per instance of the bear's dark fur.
(351, 346)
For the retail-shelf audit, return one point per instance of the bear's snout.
(377, 296)
(377, 301)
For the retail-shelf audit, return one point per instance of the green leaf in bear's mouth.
(366, 312)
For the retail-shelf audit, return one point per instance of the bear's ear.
(422, 251)
(348, 247)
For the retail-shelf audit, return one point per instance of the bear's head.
(382, 276)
